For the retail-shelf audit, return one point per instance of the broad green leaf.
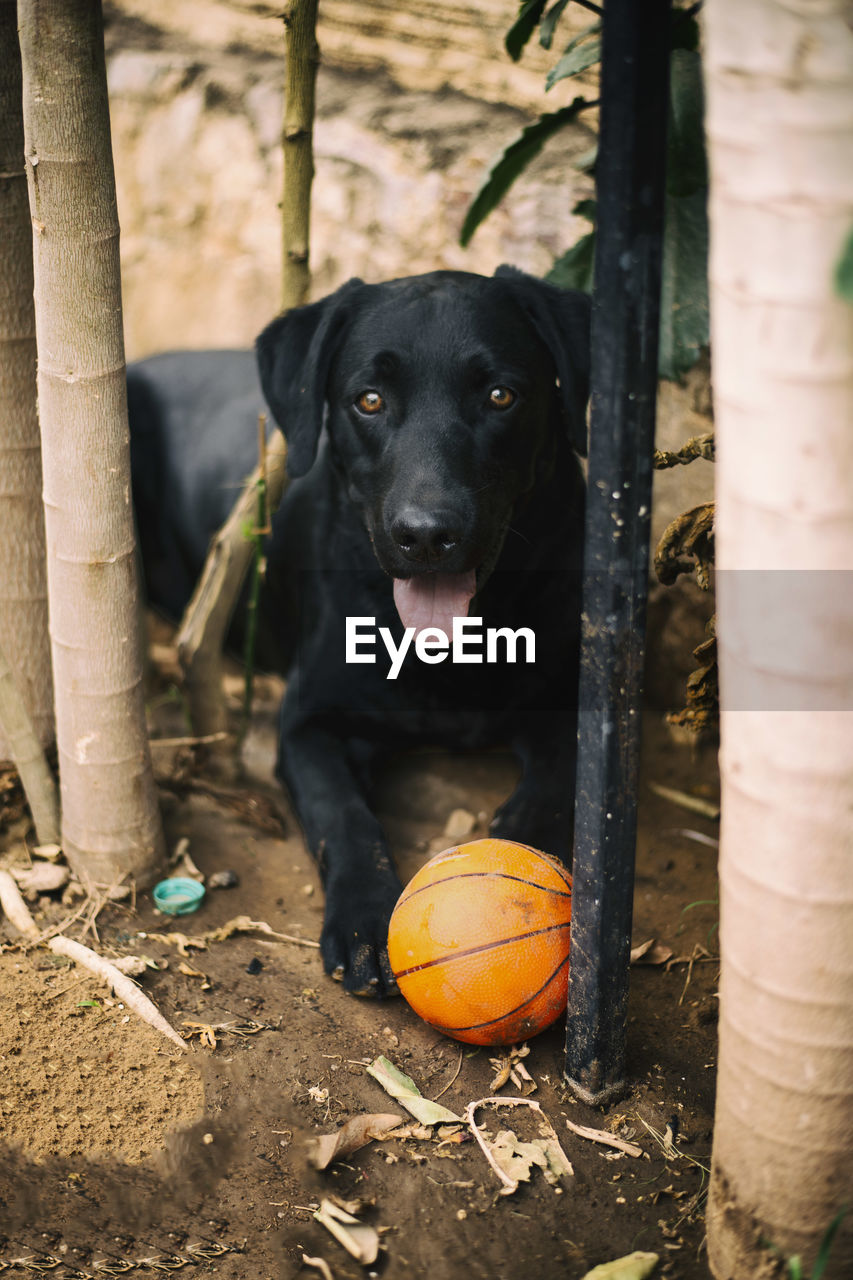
(684, 284)
(844, 271)
(574, 270)
(522, 29)
(513, 161)
(549, 22)
(577, 58)
(686, 166)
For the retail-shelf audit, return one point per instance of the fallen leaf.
(404, 1089)
(359, 1239)
(205, 1032)
(518, 1158)
(634, 1266)
(651, 952)
(356, 1133)
(546, 1152)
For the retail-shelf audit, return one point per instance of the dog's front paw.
(354, 941)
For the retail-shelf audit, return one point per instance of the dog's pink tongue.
(434, 599)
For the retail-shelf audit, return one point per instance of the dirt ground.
(120, 1153)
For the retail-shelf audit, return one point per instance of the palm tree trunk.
(24, 635)
(110, 820)
(779, 91)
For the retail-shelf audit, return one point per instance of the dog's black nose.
(426, 537)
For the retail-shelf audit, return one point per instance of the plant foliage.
(684, 288)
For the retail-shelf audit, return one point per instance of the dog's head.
(445, 397)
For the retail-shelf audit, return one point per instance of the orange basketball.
(479, 941)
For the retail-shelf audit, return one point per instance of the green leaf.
(577, 58)
(684, 286)
(513, 161)
(825, 1249)
(586, 209)
(522, 29)
(574, 270)
(88, 1004)
(686, 165)
(844, 271)
(549, 22)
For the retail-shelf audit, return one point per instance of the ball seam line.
(488, 875)
(479, 1026)
(483, 946)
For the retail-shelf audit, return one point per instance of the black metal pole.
(631, 174)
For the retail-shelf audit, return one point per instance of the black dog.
(433, 426)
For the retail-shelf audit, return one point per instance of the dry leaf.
(356, 1133)
(518, 1158)
(546, 1153)
(205, 1032)
(634, 1266)
(651, 952)
(359, 1240)
(404, 1089)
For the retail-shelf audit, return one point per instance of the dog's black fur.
(433, 427)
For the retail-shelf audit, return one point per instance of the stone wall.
(414, 101)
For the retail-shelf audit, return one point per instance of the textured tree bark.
(24, 636)
(779, 89)
(110, 821)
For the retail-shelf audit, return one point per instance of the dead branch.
(124, 987)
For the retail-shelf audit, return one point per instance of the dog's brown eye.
(370, 402)
(501, 397)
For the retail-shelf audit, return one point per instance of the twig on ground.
(452, 1079)
(606, 1139)
(202, 740)
(123, 986)
(683, 798)
(15, 908)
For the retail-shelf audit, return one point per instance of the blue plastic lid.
(178, 897)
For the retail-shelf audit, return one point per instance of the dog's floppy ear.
(561, 317)
(294, 355)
